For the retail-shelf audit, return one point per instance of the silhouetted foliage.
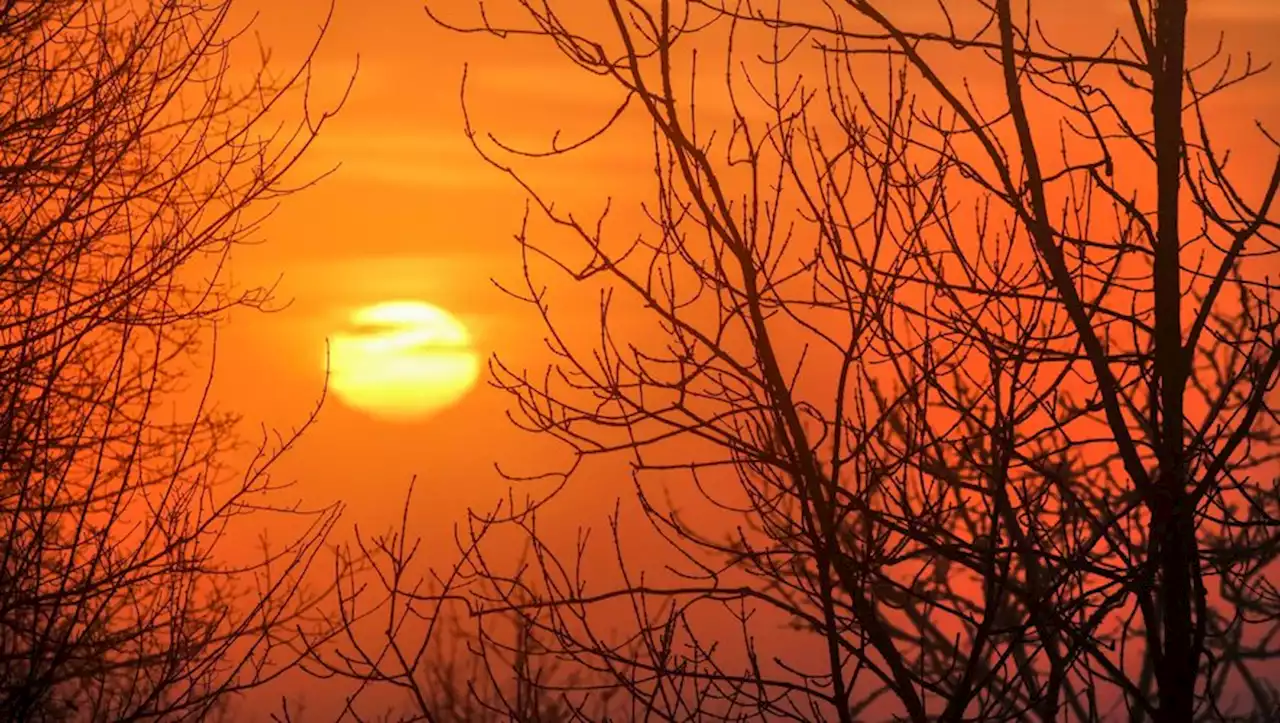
(132, 160)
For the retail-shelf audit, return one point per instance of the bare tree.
(133, 158)
(943, 355)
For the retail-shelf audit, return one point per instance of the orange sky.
(410, 214)
(414, 213)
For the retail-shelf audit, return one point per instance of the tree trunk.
(1173, 535)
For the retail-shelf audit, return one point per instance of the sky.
(412, 212)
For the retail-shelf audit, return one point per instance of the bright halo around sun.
(402, 360)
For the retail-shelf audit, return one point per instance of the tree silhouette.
(942, 352)
(132, 160)
(397, 637)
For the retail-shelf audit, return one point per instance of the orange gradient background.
(411, 212)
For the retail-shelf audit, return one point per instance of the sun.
(402, 360)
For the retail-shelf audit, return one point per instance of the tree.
(948, 340)
(132, 160)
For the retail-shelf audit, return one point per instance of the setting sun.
(402, 360)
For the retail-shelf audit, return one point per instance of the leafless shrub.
(397, 639)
